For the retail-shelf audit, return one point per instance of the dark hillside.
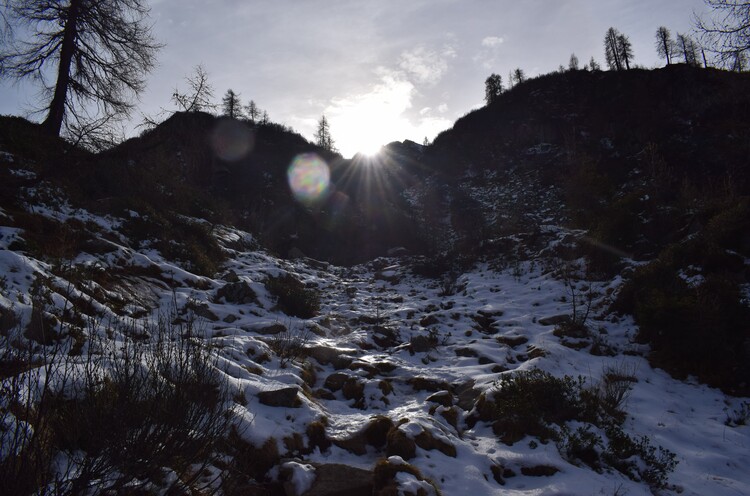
(698, 118)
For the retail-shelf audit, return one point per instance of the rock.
(539, 471)
(428, 320)
(467, 395)
(385, 337)
(427, 441)
(336, 356)
(285, 397)
(485, 322)
(237, 292)
(466, 352)
(426, 384)
(202, 310)
(512, 340)
(444, 398)
(335, 381)
(399, 444)
(554, 320)
(340, 480)
(270, 329)
(230, 318)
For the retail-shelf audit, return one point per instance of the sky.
(379, 70)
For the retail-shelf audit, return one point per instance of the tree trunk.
(53, 122)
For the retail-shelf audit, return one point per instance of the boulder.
(285, 398)
(335, 479)
(237, 292)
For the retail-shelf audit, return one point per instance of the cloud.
(426, 66)
(492, 41)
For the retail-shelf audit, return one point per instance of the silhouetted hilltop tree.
(573, 62)
(664, 44)
(493, 87)
(231, 106)
(518, 76)
(612, 50)
(625, 50)
(727, 32)
(198, 96)
(252, 111)
(686, 48)
(323, 135)
(99, 53)
(594, 65)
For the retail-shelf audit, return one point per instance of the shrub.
(292, 297)
(130, 413)
(528, 403)
(535, 403)
(289, 345)
(696, 329)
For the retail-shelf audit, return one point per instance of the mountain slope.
(550, 327)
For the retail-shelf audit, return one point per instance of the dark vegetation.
(537, 404)
(133, 415)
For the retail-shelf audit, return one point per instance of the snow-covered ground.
(380, 327)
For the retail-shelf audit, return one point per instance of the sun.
(358, 133)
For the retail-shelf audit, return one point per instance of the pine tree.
(231, 105)
(573, 62)
(594, 65)
(323, 135)
(252, 111)
(519, 76)
(493, 87)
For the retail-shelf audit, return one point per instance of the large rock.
(237, 292)
(340, 480)
(285, 397)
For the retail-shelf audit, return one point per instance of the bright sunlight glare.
(365, 122)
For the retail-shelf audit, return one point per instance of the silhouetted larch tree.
(611, 49)
(573, 62)
(199, 94)
(231, 106)
(686, 48)
(727, 32)
(518, 76)
(252, 111)
(594, 65)
(664, 44)
(100, 51)
(493, 87)
(625, 50)
(323, 135)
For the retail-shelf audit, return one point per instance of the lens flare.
(309, 177)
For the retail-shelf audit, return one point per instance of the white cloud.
(492, 41)
(426, 66)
